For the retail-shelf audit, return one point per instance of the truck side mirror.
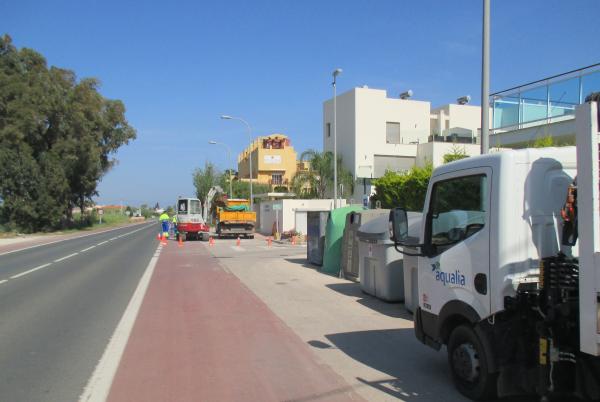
(398, 225)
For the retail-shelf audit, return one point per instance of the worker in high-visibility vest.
(164, 220)
(174, 221)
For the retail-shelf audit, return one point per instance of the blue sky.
(179, 65)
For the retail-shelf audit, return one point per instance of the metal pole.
(485, 79)
(335, 197)
(230, 169)
(250, 157)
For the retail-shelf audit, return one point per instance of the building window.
(328, 128)
(392, 133)
(277, 179)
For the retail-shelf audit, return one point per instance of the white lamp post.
(226, 117)
(228, 162)
(337, 72)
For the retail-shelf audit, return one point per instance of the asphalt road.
(59, 305)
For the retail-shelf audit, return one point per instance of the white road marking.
(114, 238)
(238, 248)
(101, 380)
(29, 271)
(65, 257)
(3, 281)
(102, 242)
(76, 237)
(87, 249)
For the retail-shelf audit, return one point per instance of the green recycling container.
(333, 238)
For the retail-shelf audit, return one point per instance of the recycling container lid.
(375, 229)
(378, 229)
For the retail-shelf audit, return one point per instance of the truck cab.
(488, 222)
(515, 303)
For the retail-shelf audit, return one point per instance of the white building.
(288, 214)
(376, 133)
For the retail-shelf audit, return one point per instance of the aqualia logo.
(451, 278)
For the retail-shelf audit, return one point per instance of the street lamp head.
(337, 72)
(226, 117)
(212, 142)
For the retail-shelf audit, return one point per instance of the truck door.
(457, 239)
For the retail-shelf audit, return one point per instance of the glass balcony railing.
(545, 101)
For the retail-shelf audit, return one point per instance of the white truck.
(504, 282)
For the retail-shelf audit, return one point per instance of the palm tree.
(314, 182)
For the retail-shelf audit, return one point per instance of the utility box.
(316, 225)
(354, 220)
(381, 267)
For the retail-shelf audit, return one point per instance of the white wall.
(362, 114)
(434, 152)
(346, 128)
(287, 215)
(465, 116)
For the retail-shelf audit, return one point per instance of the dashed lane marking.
(102, 242)
(69, 256)
(29, 271)
(74, 238)
(65, 257)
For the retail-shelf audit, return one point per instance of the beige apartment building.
(274, 161)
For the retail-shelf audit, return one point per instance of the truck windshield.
(195, 207)
(458, 209)
(182, 207)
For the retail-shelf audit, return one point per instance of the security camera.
(463, 100)
(407, 94)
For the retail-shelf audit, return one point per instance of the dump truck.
(190, 224)
(509, 268)
(236, 219)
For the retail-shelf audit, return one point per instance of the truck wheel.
(251, 237)
(469, 365)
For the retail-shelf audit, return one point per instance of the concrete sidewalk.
(201, 335)
(369, 342)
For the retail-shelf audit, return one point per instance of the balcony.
(280, 182)
(550, 100)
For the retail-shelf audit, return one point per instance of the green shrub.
(407, 189)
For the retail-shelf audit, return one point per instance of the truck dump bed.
(236, 218)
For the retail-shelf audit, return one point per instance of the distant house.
(274, 161)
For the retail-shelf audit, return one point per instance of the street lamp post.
(485, 79)
(226, 117)
(337, 72)
(228, 162)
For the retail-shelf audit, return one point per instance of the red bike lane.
(201, 335)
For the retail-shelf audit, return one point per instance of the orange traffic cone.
(237, 242)
(269, 240)
(163, 240)
(180, 243)
(158, 237)
(293, 240)
(211, 241)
